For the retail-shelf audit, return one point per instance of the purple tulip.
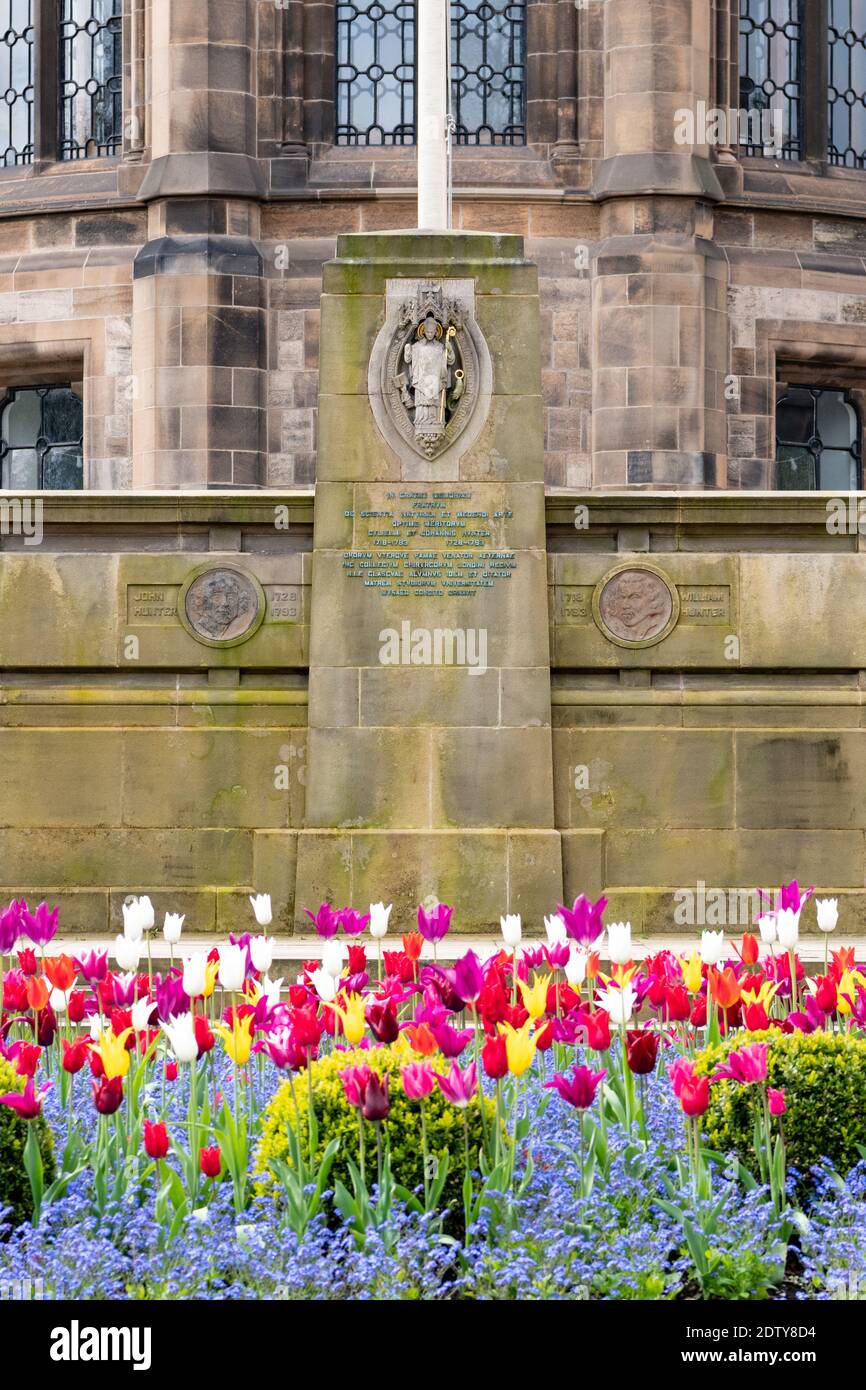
(11, 927)
(93, 966)
(352, 922)
(450, 1041)
(468, 978)
(458, 1086)
(583, 922)
(41, 926)
(578, 1089)
(171, 998)
(26, 1103)
(434, 925)
(326, 921)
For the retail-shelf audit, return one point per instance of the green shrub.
(14, 1183)
(823, 1076)
(401, 1131)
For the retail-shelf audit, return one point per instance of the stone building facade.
(176, 177)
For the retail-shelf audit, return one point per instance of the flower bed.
(534, 1125)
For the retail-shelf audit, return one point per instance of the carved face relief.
(221, 606)
(636, 607)
(426, 370)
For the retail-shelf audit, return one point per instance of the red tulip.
(28, 1059)
(74, 1055)
(61, 972)
(749, 949)
(376, 1103)
(694, 1095)
(108, 1095)
(826, 995)
(676, 1006)
(776, 1101)
(494, 1058)
(76, 1005)
(642, 1048)
(171, 1071)
(755, 1017)
(382, 1018)
(210, 1161)
(27, 961)
(597, 1025)
(203, 1035)
(155, 1140)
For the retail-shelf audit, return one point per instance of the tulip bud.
(171, 929)
(512, 931)
(619, 947)
(379, 915)
(262, 953)
(210, 1161)
(261, 905)
(155, 1140)
(828, 913)
(788, 927)
(749, 949)
(712, 947)
(776, 1100)
(233, 967)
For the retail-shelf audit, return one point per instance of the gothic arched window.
(488, 71)
(817, 440)
(91, 78)
(771, 38)
(41, 438)
(16, 82)
(846, 89)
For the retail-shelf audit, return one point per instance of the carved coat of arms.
(430, 370)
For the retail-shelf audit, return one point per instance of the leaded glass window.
(817, 440)
(41, 439)
(91, 78)
(16, 82)
(488, 71)
(376, 73)
(847, 83)
(770, 69)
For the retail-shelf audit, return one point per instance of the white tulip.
(233, 967)
(261, 905)
(141, 1012)
(195, 975)
(619, 947)
(180, 1031)
(127, 952)
(146, 912)
(95, 1028)
(788, 927)
(262, 952)
(59, 1001)
(575, 968)
(132, 926)
(172, 927)
(379, 915)
(271, 990)
(325, 985)
(555, 928)
(619, 1003)
(512, 931)
(767, 928)
(828, 913)
(333, 957)
(712, 947)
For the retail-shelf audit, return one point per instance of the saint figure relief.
(433, 380)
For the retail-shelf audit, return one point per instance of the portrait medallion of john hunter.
(221, 606)
(636, 606)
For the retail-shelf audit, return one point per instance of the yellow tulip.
(520, 1046)
(692, 975)
(238, 1042)
(535, 995)
(112, 1050)
(847, 990)
(211, 971)
(763, 996)
(352, 1017)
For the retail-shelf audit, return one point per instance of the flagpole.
(434, 135)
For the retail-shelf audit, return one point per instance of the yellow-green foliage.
(823, 1076)
(401, 1130)
(14, 1183)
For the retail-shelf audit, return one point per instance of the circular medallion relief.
(221, 606)
(636, 606)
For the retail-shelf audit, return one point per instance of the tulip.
(468, 978)
(642, 1049)
(692, 973)
(418, 1080)
(712, 947)
(579, 1089)
(382, 1018)
(74, 1055)
(27, 1104)
(788, 928)
(261, 905)
(826, 995)
(776, 1101)
(747, 1066)
(379, 915)
(27, 1058)
(694, 1096)
(618, 1003)
(41, 926)
(749, 949)
(127, 953)
(413, 945)
(494, 1058)
(326, 920)
(575, 968)
(828, 913)
(93, 966)
(434, 925)
(155, 1140)
(307, 1026)
(324, 984)
(458, 1087)
(238, 1042)
(210, 1161)
(108, 1094)
(180, 1031)
(11, 928)
(555, 928)
(375, 1104)
(680, 1071)
(142, 1010)
(421, 1038)
(597, 1025)
(767, 928)
(520, 1046)
(352, 922)
(333, 958)
(37, 993)
(262, 953)
(724, 987)
(353, 1018)
(61, 972)
(535, 996)
(113, 1053)
(512, 931)
(172, 927)
(233, 967)
(619, 947)
(354, 1081)
(171, 1071)
(583, 921)
(195, 975)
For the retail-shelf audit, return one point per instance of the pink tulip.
(747, 1066)
(458, 1086)
(418, 1080)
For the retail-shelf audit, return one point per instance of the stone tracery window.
(817, 440)
(16, 82)
(770, 67)
(375, 71)
(90, 77)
